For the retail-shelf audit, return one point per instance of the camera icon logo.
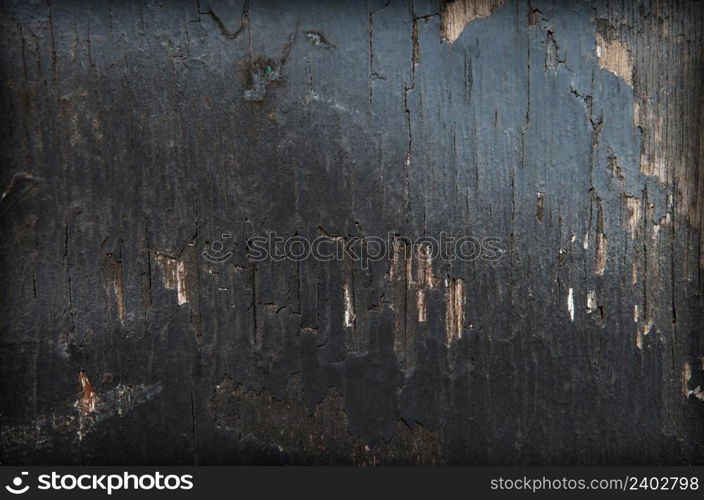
(16, 487)
(215, 253)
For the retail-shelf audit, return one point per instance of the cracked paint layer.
(118, 401)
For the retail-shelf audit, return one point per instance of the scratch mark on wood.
(600, 253)
(349, 316)
(119, 290)
(454, 312)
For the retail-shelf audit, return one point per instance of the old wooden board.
(145, 143)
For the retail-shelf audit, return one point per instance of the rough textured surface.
(138, 133)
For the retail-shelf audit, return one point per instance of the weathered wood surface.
(569, 130)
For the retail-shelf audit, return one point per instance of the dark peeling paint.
(149, 131)
(290, 431)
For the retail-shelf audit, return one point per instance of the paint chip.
(319, 40)
(420, 302)
(540, 209)
(633, 213)
(349, 316)
(87, 401)
(456, 14)
(119, 290)
(425, 266)
(615, 56)
(591, 302)
(174, 276)
(642, 331)
(454, 312)
(686, 377)
(634, 273)
(600, 265)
